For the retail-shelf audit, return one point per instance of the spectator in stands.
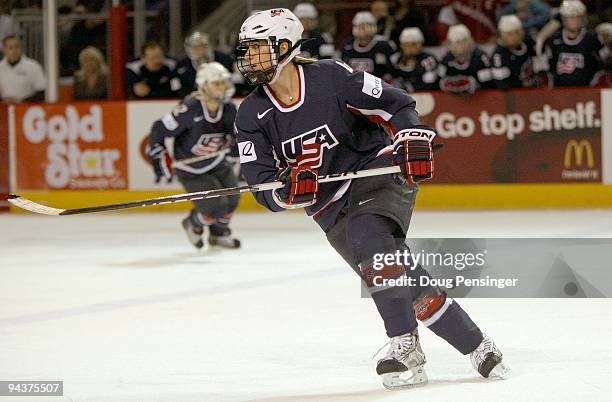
(317, 44)
(199, 50)
(477, 15)
(364, 51)
(91, 80)
(465, 68)
(64, 27)
(384, 22)
(66, 6)
(407, 14)
(153, 76)
(415, 69)
(575, 55)
(512, 60)
(534, 14)
(21, 78)
(7, 27)
(86, 32)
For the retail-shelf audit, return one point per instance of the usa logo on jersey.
(209, 143)
(569, 62)
(362, 64)
(307, 148)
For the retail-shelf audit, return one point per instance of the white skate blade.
(501, 371)
(415, 377)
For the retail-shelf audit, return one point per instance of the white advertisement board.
(606, 135)
(140, 117)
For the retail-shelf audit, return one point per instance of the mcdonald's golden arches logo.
(579, 149)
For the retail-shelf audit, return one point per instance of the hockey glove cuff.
(414, 152)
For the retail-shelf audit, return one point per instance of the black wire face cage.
(252, 55)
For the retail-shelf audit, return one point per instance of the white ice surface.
(120, 308)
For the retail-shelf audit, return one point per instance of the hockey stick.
(32, 206)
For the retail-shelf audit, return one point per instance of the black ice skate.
(222, 237)
(195, 233)
(403, 366)
(487, 360)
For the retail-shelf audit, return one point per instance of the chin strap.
(285, 59)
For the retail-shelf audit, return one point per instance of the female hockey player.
(308, 118)
(203, 131)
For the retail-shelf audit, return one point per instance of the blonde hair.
(304, 60)
(94, 53)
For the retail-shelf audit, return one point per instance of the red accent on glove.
(304, 185)
(416, 160)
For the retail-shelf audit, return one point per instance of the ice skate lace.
(398, 345)
(485, 347)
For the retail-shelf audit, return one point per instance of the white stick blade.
(33, 206)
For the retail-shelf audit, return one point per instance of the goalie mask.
(261, 35)
(213, 81)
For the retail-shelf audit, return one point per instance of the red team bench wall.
(516, 149)
(4, 157)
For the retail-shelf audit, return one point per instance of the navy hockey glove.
(414, 152)
(301, 185)
(162, 163)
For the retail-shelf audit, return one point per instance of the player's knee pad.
(377, 275)
(430, 304)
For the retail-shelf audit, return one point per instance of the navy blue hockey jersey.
(575, 62)
(465, 76)
(335, 126)
(196, 133)
(319, 45)
(421, 74)
(375, 58)
(513, 68)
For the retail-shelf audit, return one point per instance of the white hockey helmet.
(411, 35)
(213, 72)
(275, 26)
(364, 18)
(572, 8)
(605, 28)
(306, 10)
(458, 32)
(509, 23)
(198, 38)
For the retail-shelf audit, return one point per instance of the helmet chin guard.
(261, 35)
